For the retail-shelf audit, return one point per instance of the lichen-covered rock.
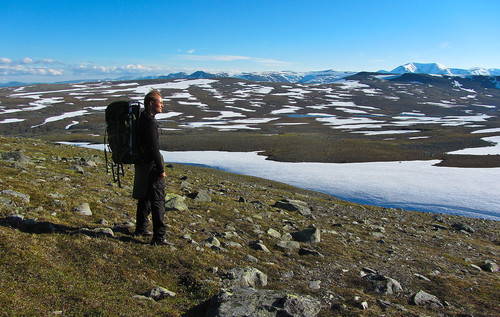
(422, 298)
(245, 277)
(25, 198)
(175, 202)
(383, 284)
(159, 293)
(83, 209)
(244, 302)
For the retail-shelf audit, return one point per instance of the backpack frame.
(121, 137)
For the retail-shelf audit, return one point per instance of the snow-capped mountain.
(440, 69)
(311, 77)
(330, 76)
(316, 77)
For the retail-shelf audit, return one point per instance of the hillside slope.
(54, 259)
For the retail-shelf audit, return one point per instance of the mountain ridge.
(440, 69)
(308, 77)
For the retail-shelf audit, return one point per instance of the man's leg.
(143, 211)
(158, 210)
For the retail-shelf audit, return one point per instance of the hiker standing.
(149, 180)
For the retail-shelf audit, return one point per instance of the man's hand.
(162, 176)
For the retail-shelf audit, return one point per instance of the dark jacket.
(152, 167)
(148, 139)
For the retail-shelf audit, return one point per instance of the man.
(149, 181)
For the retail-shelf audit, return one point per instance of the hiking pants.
(153, 203)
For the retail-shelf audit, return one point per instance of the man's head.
(153, 102)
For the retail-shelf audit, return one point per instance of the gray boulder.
(175, 202)
(243, 302)
(383, 284)
(97, 232)
(245, 277)
(211, 242)
(309, 235)
(83, 209)
(489, 266)
(288, 245)
(422, 298)
(159, 293)
(201, 196)
(462, 227)
(15, 157)
(25, 198)
(294, 205)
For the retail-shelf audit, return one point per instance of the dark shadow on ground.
(45, 227)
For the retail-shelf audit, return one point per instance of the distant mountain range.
(313, 77)
(439, 69)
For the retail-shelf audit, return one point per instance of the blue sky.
(48, 41)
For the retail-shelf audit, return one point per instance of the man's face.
(157, 106)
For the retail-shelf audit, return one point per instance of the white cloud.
(36, 69)
(5, 60)
(130, 69)
(27, 60)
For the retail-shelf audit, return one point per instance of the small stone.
(175, 202)
(251, 258)
(315, 285)
(83, 209)
(142, 297)
(78, 169)
(201, 196)
(273, 233)
(310, 235)
(383, 284)
(259, 246)
(475, 267)
(305, 251)
(246, 277)
(288, 245)
(159, 293)
(420, 276)
(23, 197)
(490, 266)
(463, 227)
(212, 241)
(422, 298)
(294, 205)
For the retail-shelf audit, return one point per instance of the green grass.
(42, 273)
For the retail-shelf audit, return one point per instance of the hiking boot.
(146, 233)
(161, 242)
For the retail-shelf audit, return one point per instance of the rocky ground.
(242, 246)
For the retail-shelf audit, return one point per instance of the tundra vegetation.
(66, 246)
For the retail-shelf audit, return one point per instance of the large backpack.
(121, 137)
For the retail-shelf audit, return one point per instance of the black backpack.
(121, 137)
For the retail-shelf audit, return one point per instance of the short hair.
(151, 96)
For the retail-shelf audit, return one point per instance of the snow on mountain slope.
(440, 69)
(430, 68)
